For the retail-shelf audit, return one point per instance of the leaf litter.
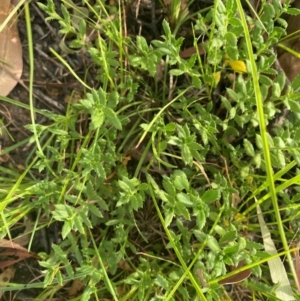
(11, 62)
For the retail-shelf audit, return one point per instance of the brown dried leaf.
(123, 265)
(13, 253)
(6, 276)
(289, 62)
(4, 243)
(187, 53)
(76, 286)
(238, 277)
(24, 238)
(15, 2)
(11, 62)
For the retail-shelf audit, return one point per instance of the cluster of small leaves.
(77, 190)
(239, 101)
(224, 244)
(100, 107)
(187, 144)
(106, 60)
(91, 186)
(145, 57)
(69, 24)
(230, 249)
(149, 58)
(179, 198)
(226, 39)
(53, 266)
(59, 266)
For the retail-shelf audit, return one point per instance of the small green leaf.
(169, 187)
(294, 105)
(60, 213)
(249, 148)
(170, 127)
(162, 282)
(95, 211)
(231, 39)
(142, 44)
(184, 199)
(66, 229)
(113, 99)
(213, 244)
(281, 80)
(200, 235)
(269, 12)
(181, 210)
(176, 72)
(186, 155)
(82, 26)
(293, 11)
(264, 90)
(226, 103)
(78, 224)
(276, 90)
(279, 142)
(180, 180)
(210, 196)
(257, 160)
(280, 158)
(201, 220)
(196, 82)
(244, 172)
(228, 237)
(296, 83)
(113, 222)
(265, 80)
(236, 97)
(124, 186)
(97, 119)
(232, 113)
(230, 251)
(235, 22)
(166, 28)
(58, 251)
(169, 215)
(112, 118)
(242, 242)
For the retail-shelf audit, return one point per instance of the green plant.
(153, 180)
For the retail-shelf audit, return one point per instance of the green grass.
(155, 179)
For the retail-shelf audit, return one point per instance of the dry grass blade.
(297, 266)
(277, 270)
(11, 62)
